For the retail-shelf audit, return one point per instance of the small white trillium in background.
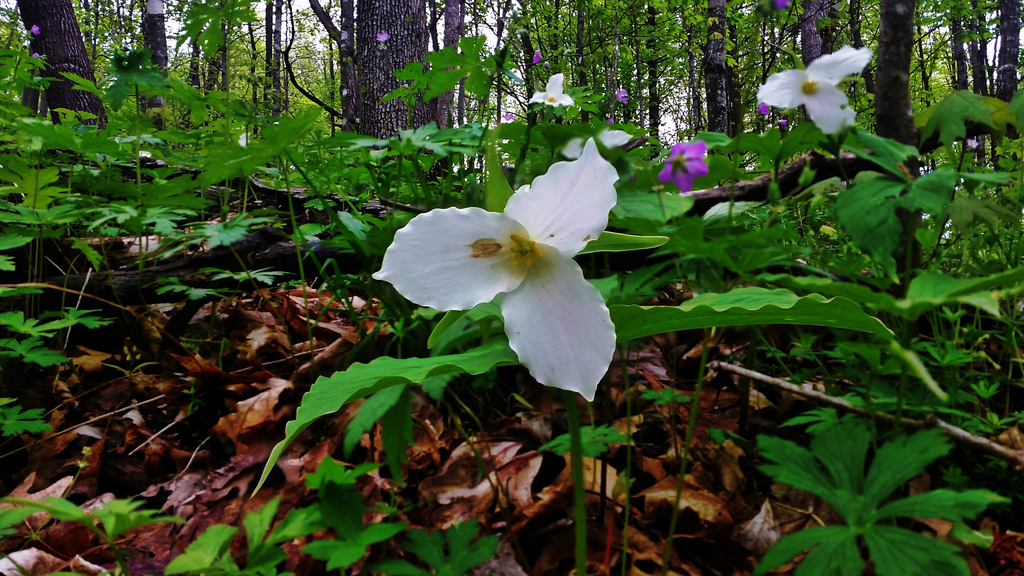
(556, 321)
(243, 139)
(610, 139)
(553, 94)
(816, 88)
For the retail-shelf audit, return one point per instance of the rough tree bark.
(581, 35)
(60, 42)
(155, 38)
(978, 48)
(959, 53)
(1009, 49)
(405, 22)
(452, 24)
(810, 38)
(714, 69)
(275, 66)
(893, 112)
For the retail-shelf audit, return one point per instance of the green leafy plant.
(211, 552)
(463, 553)
(33, 349)
(834, 469)
(14, 421)
(596, 440)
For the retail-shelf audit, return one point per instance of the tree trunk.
(733, 86)
(978, 48)
(925, 72)
(581, 35)
(810, 37)
(275, 67)
(193, 67)
(452, 23)
(268, 53)
(346, 66)
(714, 69)
(1009, 49)
(405, 21)
(959, 54)
(60, 41)
(653, 95)
(893, 112)
(155, 36)
(252, 69)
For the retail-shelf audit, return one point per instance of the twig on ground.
(1015, 457)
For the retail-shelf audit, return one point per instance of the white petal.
(574, 149)
(568, 206)
(783, 89)
(614, 138)
(559, 326)
(828, 108)
(538, 98)
(554, 87)
(562, 100)
(431, 261)
(833, 67)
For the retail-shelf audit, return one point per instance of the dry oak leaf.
(709, 508)
(761, 532)
(31, 561)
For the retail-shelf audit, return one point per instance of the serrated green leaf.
(842, 449)
(795, 465)
(898, 552)
(785, 549)
(209, 550)
(328, 394)
(951, 115)
(867, 212)
(13, 421)
(945, 504)
(596, 440)
(900, 460)
(836, 556)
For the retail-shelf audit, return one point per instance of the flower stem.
(579, 492)
(690, 429)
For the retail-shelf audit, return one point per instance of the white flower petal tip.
(559, 326)
(453, 259)
(568, 206)
(610, 138)
(816, 89)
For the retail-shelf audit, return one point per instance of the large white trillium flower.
(554, 94)
(816, 88)
(556, 321)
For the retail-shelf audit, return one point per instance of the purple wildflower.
(35, 30)
(783, 122)
(508, 116)
(383, 36)
(537, 57)
(36, 55)
(685, 163)
(763, 108)
(546, 65)
(622, 96)
(781, 4)
(611, 120)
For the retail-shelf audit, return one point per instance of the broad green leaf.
(885, 152)
(653, 206)
(865, 295)
(375, 407)
(951, 115)
(328, 394)
(1016, 108)
(396, 433)
(380, 532)
(965, 211)
(744, 307)
(932, 289)
(945, 504)
(337, 553)
(867, 212)
(496, 188)
(616, 242)
(932, 192)
(450, 319)
(785, 549)
(898, 552)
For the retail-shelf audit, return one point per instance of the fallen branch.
(1015, 457)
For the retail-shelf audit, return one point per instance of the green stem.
(690, 430)
(579, 493)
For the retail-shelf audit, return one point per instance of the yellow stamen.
(551, 98)
(521, 247)
(809, 87)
